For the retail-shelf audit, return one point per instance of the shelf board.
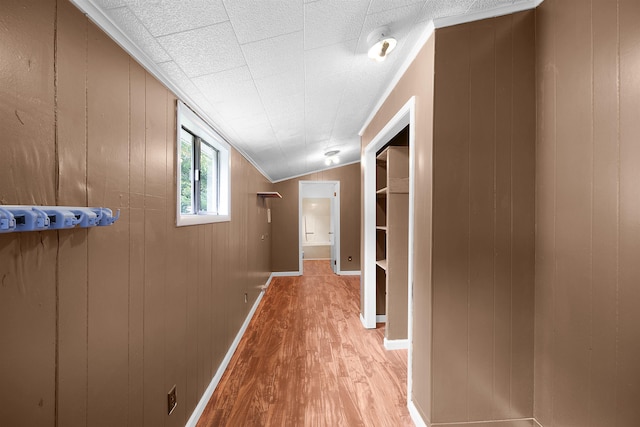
(382, 191)
(382, 263)
(382, 157)
(381, 227)
(270, 194)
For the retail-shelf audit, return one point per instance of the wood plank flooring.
(306, 360)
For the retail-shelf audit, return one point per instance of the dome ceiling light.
(332, 157)
(381, 44)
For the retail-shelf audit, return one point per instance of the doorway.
(403, 118)
(319, 223)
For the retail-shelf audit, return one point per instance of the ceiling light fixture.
(332, 157)
(381, 44)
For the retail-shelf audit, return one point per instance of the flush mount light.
(332, 157)
(381, 44)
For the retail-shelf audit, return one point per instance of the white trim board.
(415, 415)
(285, 273)
(349, 273)
(484, 422)
(381, 318)
(430, 30)
(364, 322)
(396, 344)
(204, 400)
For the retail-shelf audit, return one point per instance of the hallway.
(306, 360)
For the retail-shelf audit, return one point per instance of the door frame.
(335, 218)
(405, 116)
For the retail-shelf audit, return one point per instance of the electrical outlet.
(172, 400)
(246, 298)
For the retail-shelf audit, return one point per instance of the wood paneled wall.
(587, 343)
(474, 220)
(284, 214)
(97, 325)
(483, 220)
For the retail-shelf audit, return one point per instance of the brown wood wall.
(97, 325)
(587, 210)
(284, 217)
(483, 220)
(473, 280)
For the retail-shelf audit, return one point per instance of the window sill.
(184, 220)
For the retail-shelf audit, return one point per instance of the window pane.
(208, 178)
(186, 175)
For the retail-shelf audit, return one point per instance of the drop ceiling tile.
(332, 59)
(173, 16)
(285, 105)
(226, 85)
(204, 50)
(288, 137)
(326, 84)
(249, 105)
(293, 121)
(440, 9)
(256, 121)
(279, 85)
(131, 26)
(259, 20)
(382, 5)
(328, 22)
(274, 55)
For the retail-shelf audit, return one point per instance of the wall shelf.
(270, 194)
(19, 218)
(382, 263)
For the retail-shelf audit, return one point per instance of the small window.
(203, 171)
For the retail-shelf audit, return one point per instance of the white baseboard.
(396, 344)
(349, 273)
(197, 412)
(415, 415)
(364, 322)
(285, 273)
(381, 318)
(491, 423)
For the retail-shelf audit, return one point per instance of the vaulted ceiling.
(283, 81)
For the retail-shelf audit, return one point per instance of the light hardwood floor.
(306, 360)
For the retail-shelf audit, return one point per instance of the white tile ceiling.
(283, 80)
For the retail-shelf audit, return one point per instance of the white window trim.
(187, 118)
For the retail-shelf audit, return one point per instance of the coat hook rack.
(16, 218)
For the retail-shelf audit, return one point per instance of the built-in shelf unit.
(392, 218)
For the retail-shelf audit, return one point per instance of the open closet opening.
(392, 239)
(388, 233)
